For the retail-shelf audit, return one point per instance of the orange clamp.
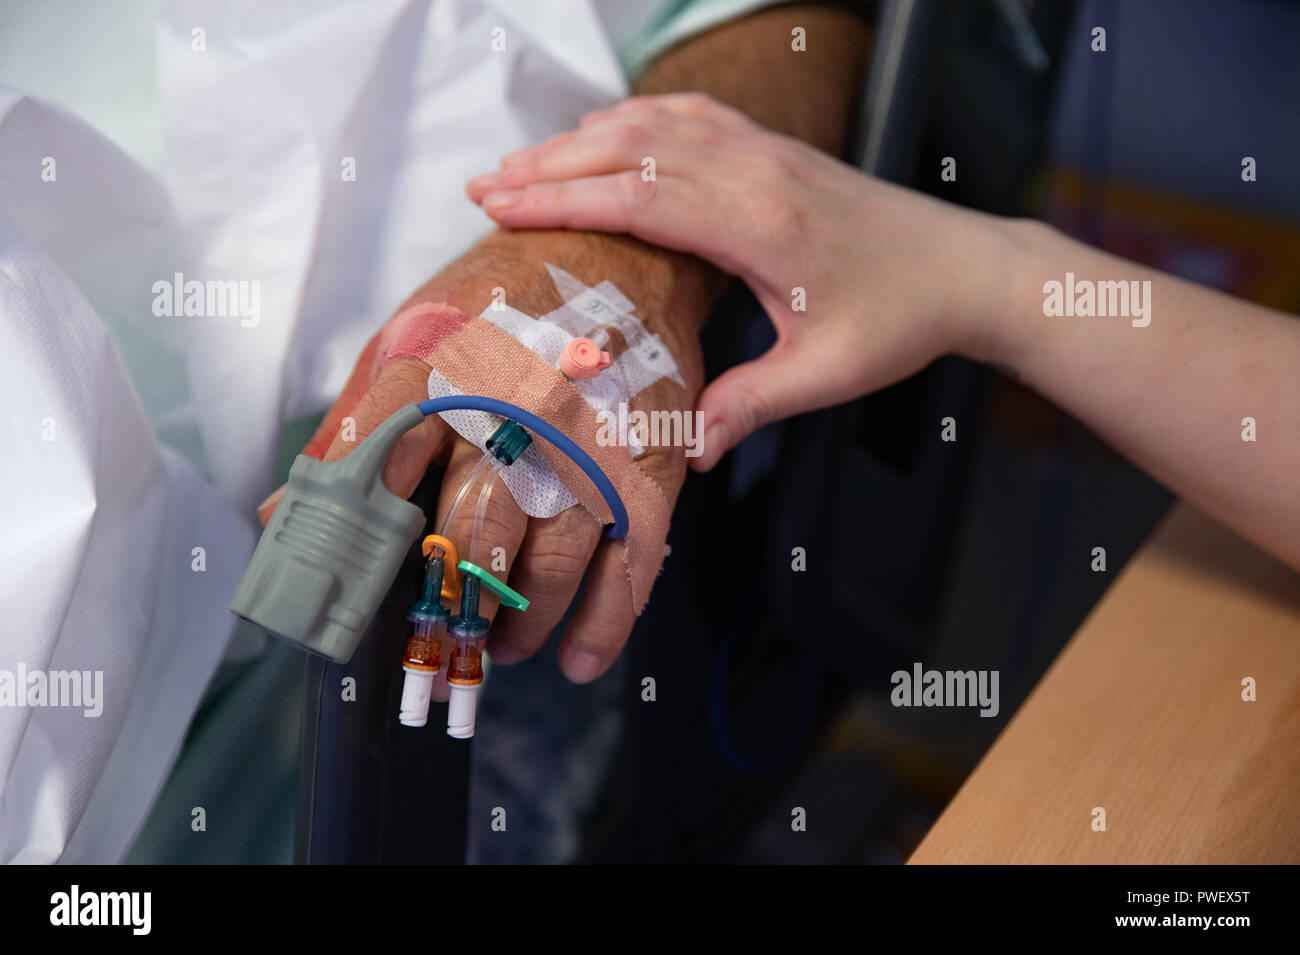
(450, 573)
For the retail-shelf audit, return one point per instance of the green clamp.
(509, 598)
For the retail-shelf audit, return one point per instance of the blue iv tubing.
(552, 434)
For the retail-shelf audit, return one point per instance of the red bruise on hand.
(417, 331)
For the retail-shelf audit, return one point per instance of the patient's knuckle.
(553, 571)
(666, 467)
(496, 532)
(400, 376)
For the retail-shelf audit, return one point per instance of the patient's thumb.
(747, 397)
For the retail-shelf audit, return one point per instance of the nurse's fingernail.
(485, 181)
(266, 507)
(496, 201)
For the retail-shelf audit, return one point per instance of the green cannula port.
(508, 442)
(509, 598)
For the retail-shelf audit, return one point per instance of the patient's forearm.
(1174, 395)
(749, 64)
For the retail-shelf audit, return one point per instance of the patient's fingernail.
(485, 181)
(504, 199)
(511, 159)
(583, 667)
(266, 507)
(504, 653)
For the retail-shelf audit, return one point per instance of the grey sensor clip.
(332, 548)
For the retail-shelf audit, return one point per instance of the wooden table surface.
(1142, 715)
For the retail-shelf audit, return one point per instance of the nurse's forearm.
(1173, 395)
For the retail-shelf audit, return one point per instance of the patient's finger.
(603, 620)
(401, 382)
(668, 212)
(547, 570)
(363, 374)
(359, 382)
(504, 524)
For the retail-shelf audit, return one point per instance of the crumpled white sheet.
(96, 573)
(95, 565)
(257, 128)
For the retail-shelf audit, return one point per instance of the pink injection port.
(582, 358)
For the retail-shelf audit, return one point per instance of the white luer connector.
(416, 688)
(460, 710)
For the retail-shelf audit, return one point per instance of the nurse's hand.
(546, 558)
(865, 282)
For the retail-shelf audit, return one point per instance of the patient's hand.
(673, 294)
(546, 557)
